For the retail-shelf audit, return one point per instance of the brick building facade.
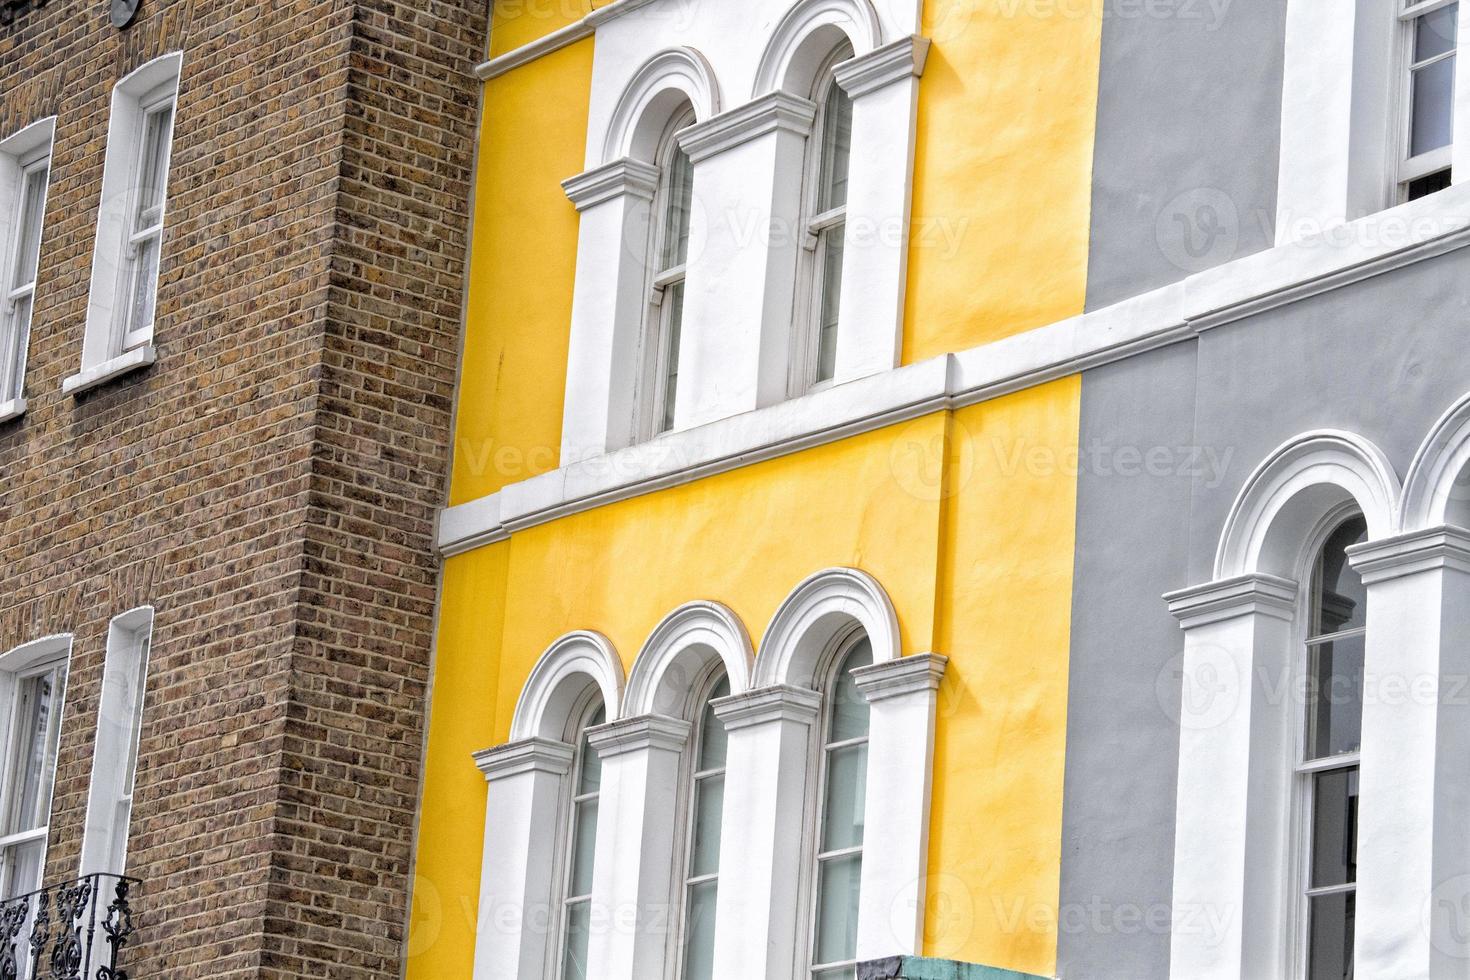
(268, 486)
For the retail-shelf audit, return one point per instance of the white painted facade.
(749, 72)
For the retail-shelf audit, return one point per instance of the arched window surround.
(529, 790)
(607, 376)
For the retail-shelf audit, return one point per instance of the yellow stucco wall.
(1002, 171)
(1005, 597)
(523, 260)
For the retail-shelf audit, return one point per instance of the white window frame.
(580, 720)
(131, 335)
(1303, 771)
(21, 155)
(655, 408)
(24, 662)
(1407, 168)
(120, 712)
(701, 694)
(836, 655)
(111, 347)
(811, 276)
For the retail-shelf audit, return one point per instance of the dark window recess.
(11, 9)
(1429, 183)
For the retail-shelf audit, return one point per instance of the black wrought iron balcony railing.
(74, 930)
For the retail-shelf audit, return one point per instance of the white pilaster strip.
(517, 874)
(761, 854)
(1235, 741)
(902, 695)
(1413, 851)
(637, 824)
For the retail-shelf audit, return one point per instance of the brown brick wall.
(270, 484)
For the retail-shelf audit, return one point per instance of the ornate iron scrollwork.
(62, 925)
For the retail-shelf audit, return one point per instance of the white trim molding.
(563, 673)
(764, 825)
(1233, 804)
(1413, 855)
(773, 113)
(526, 787)
(902, 696)
(811, 617)
(884, 87)
(556, 40)
(625, 177)
(680, 647)
(677, 75)
(109, 345)
(638, 822)
(896, 62)
(1293, 486)
(1437, 487)
(784, 65)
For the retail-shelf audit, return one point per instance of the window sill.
(12, 409)
(100, 374)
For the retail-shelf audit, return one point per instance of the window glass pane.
(849, 707)
(584, 846)
(21, 868)
(709, 803)
(713, 742)
(837, 907)
(34, 765)
(836, 973)
(1335, 828)
(833, 241)
(1432, 113)
(145, 284)
(1335, 723)
(1434, 34)
(579, 929)
(1332, 937)
(674, 318)
(17, 336)
(676, 218)
(122, 818)
(134, 700)
(1342, 600)
(590, 779)
(847, 775)
(836, 148)
(157, 127)
(699, 935)
(28, 240)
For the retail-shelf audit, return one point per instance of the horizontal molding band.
(1377, 244)
(556, 40)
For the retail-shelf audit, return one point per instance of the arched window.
(581, 844)
(826, 225)
(839, 860)
(706, 808)
(672, 204)
(1327, 769)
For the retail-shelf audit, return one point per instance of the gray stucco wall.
(1188, 136)
(1382, 358)
(1122, 741)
